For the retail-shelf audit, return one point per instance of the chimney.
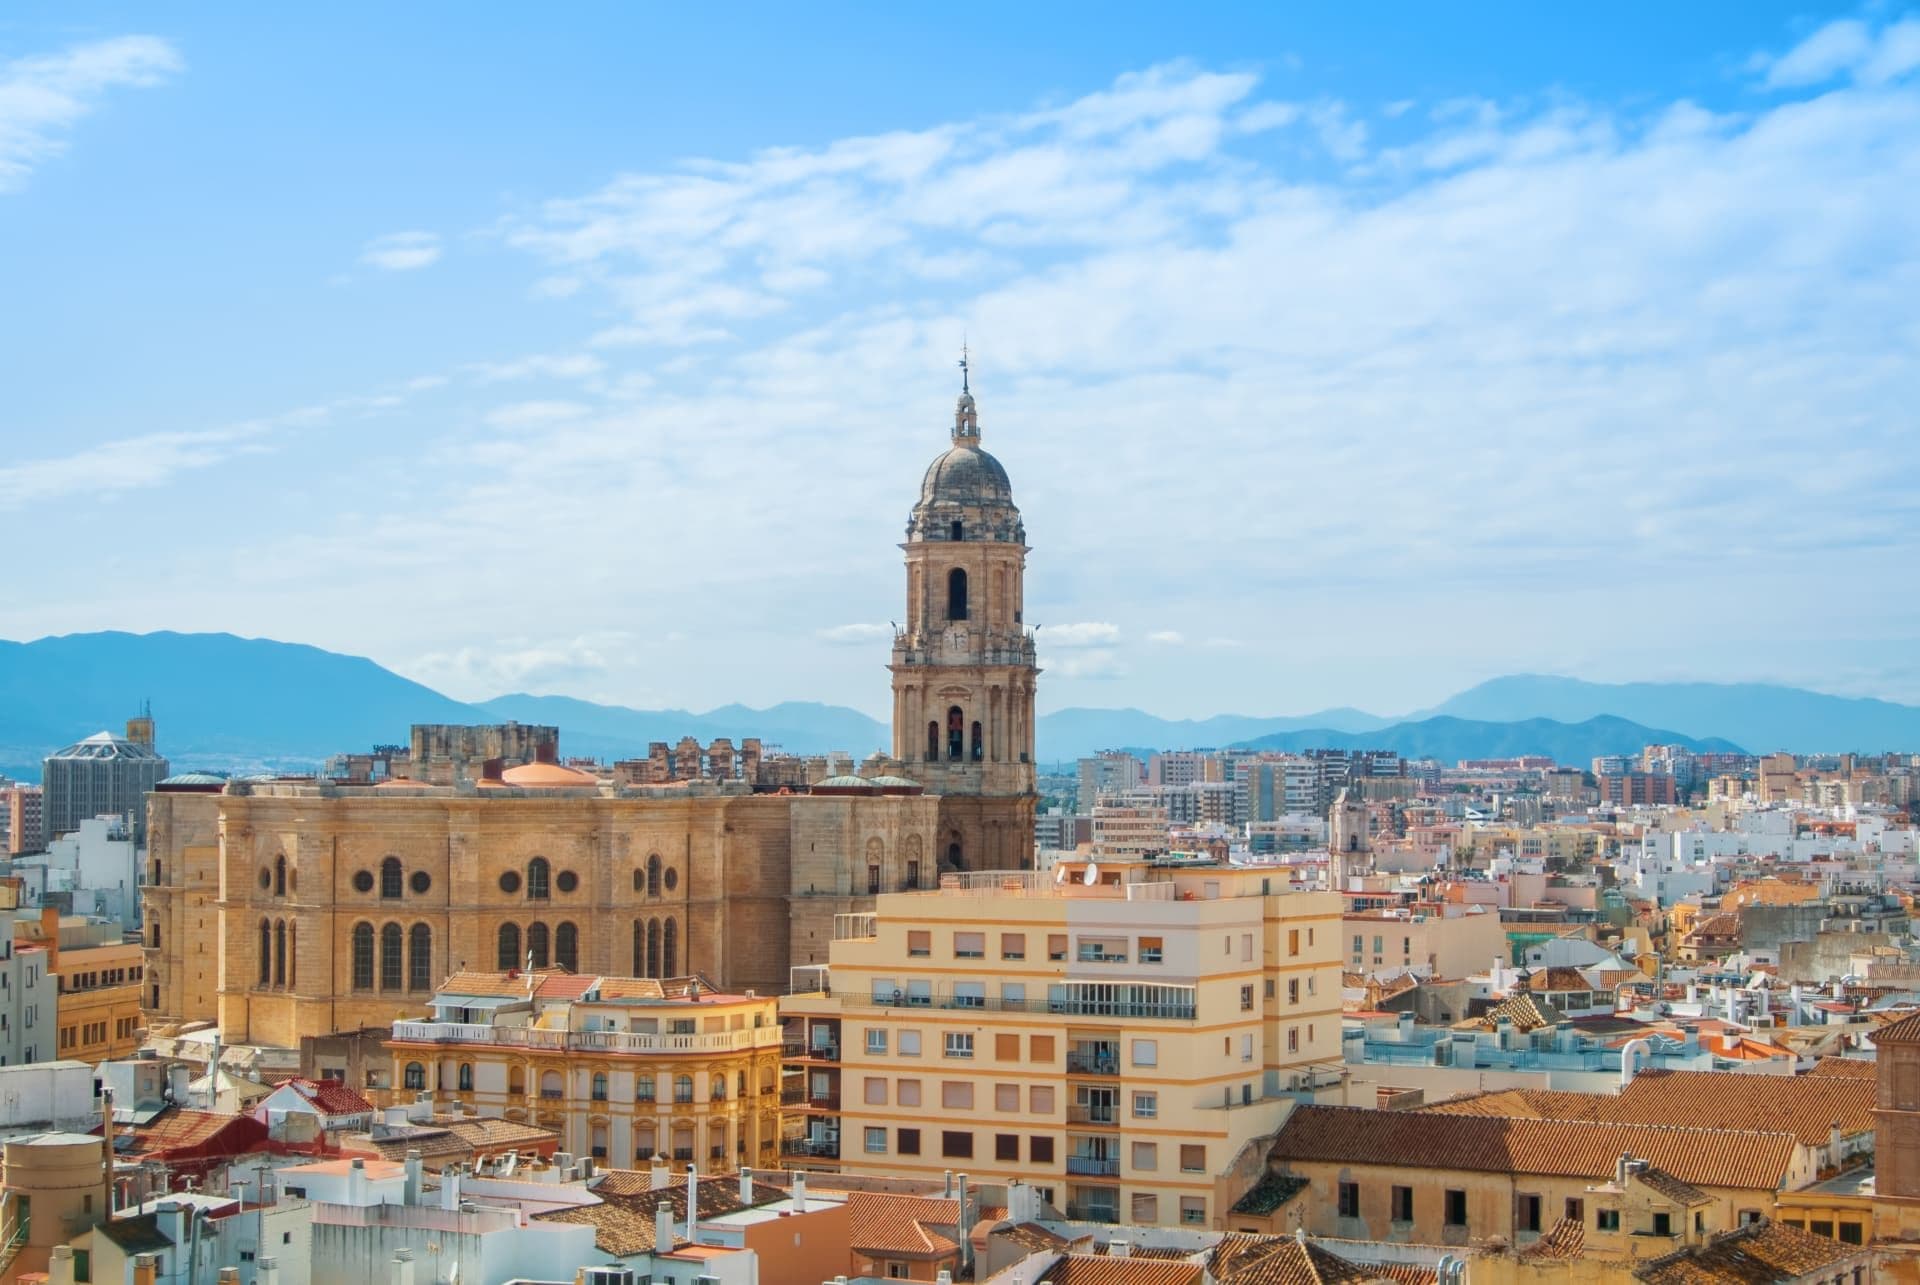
(659, 1175)
(662, 1226)
(944, 1278)
(946, 1189)
(357, 1181)
(403, 1267)
(415, 1172)
(450, 1188)
(693, 1201)
(1836, 1144)
(746, 1184)
(1620, 1168)
(60, 1265)
(179, 1081)
(146, 1269)
(799, 1192)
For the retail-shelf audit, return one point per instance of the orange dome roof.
(547, 776)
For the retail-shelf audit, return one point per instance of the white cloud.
(1166, 637)
(1098, 664)
(42, 97)
(578, 365)
(151, 459)
(536, 666)
(1092, 633)
(530, 414)
(402, 251)
(1847, 46)
(857, 634)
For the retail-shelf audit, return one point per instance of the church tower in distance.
(963, 666)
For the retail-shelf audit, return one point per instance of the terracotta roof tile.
(623, 1221)
(180, 1129)
(1905, 1030)
(1850, 1067)
(331, 1096)
(1758, 1253)
(1680, 1193)
(1242, 1259)
(902, 1226)
(1566, 1239)
(1562, 1148)
(1104, 1269)
(486, 1135)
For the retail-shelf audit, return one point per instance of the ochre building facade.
(293, 908)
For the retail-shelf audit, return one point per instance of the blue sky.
(1335, 361)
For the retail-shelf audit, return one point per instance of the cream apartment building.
(1114, 1033)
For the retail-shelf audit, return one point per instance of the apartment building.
(622, 1068)
(1125, 832)
(1113, 1033)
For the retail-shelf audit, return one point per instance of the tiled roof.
(1104, 1269)
(631, 988)
(1680, 1193)
(181, 1129)
(901, 1226)
(432, 1144)
(1523, 1010)
(1241, 1259)
(1566, 1239)
(139, 1234)
(485, 1134)
(330, 1097)
(1558, 979)
(623, 1222)
(1905, 1030)
(1272, 1191)
(1761, 1252)
(1805, 1105)
(1036, 1237)
(1561, 1148)
(1850, 1067)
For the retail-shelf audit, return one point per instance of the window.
(907, 1093)
(539, 879)
(1013, 945)
(956, 1095)
(508, 955)
(1403, 1204)
(1851, 1234)
(876, 1141)
(956, 1144)
(1663, 1226)
(1293, 941)
(566, 947)
(1056, 946)
(875, 1091)
(1528, 1214)
(1146, 1106)
(1246, 1048)
(913, 873)
(1576, 1209)
(1193, 1158)
(1146, 1053)
(909, 1044)
(464, 1080)
(390, 878)
(1006, 1048)
(1455, 1208)
(683, 1088)
(1006, 1097)
(1006, 1146)
(1040, 1048)
(266, 953)
(1146, 1156)
(509, 881)
(1193, 1209)
(957, 594)
(420, 958)
(599, 1086)
(959, 1044)
(876, 1039)
(420, 881)
(1606, 1220)
(363, 957)
(969, 945)
(1146, 1209)
(1349, 1200)
(919, 943)
(1152, 949)
(1293, 1039)
(907, 1141)
(415, 1076)
(537, 943)
(643, 1087)
(1040, 1099)
(1039, 1150)
(969, 994)
(1246, 999)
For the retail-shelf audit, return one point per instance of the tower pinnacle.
(966, 421)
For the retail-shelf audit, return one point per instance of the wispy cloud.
(540, 666)
(1091, 633)
(529, 414)
(856, 634)
(1846, 47)
(42, 97)
(1166, 637)
(402, 251)
(540, 366)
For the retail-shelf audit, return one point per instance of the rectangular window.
(1852, 1234)
(1146, 1106)
(919, 942)
(1056, 946)
(1246, 998)
(1293, 1039)
(1359, 943)
(956, 1095)
(1607, 1220)
(1146, 1156)
(1576, 1209)
(1193, 1210)
(1040, 1099)
(1193, 1158)
(873, 881)
(1349, 1200)
(1006, 1048)
(1039, 1150)
(1013, 945)
(1455, 1207)
(1006, 1146)
(956, 1144)
(969, 945)
(1040, 1048)
(907, 1141)
(876, 1039)
(1246, 948)
(1006, 1097)
(1403, 1204)
(909, 1044)
(919, 994)
(1146, 1209)
(1246, 1048)
(959, 1044)
(969, 994)
(1529, 1213)
(875, 1091)
(1663, 1226)
(1293, 990)
(1013, 994)
(876, 1142)
(1152, 950)
(887, 991)
(1293, 941)
(1146, 1053)
(907, 1093)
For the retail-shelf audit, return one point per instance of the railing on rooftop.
(584, 1041)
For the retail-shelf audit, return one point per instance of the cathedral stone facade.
(287, 909)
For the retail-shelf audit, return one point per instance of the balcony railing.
(1094, 1166)
(1068, 1006)
(1082, 1113)
(530, 1037)
(1093, 1062)
(1084, 1213)
(815, 1148)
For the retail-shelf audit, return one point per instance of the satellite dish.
(1092, 875)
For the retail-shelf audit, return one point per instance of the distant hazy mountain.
(1451, 739)
(1759, 716)
(1076, 733)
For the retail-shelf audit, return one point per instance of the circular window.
(509, 881)
(673, 878)
(266, 878)
(363, 881)
(566, 881)
(421, 881)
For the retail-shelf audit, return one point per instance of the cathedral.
(285, 909)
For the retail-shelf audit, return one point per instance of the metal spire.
(964, 373)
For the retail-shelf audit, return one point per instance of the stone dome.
(966, 475)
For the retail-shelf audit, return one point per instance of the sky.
(1338, 357)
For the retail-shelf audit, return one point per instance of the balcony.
(1099, 1060)
(1091, 1005)
(811, 1148)
(1094, 1166)
(801, 1051)
(1092, 1213)
(1093, 1113)
(617, 1042)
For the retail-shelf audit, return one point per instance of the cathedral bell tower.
(963, 665)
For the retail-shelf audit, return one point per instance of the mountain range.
(257, 704)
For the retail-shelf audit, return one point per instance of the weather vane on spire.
(963, 367)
